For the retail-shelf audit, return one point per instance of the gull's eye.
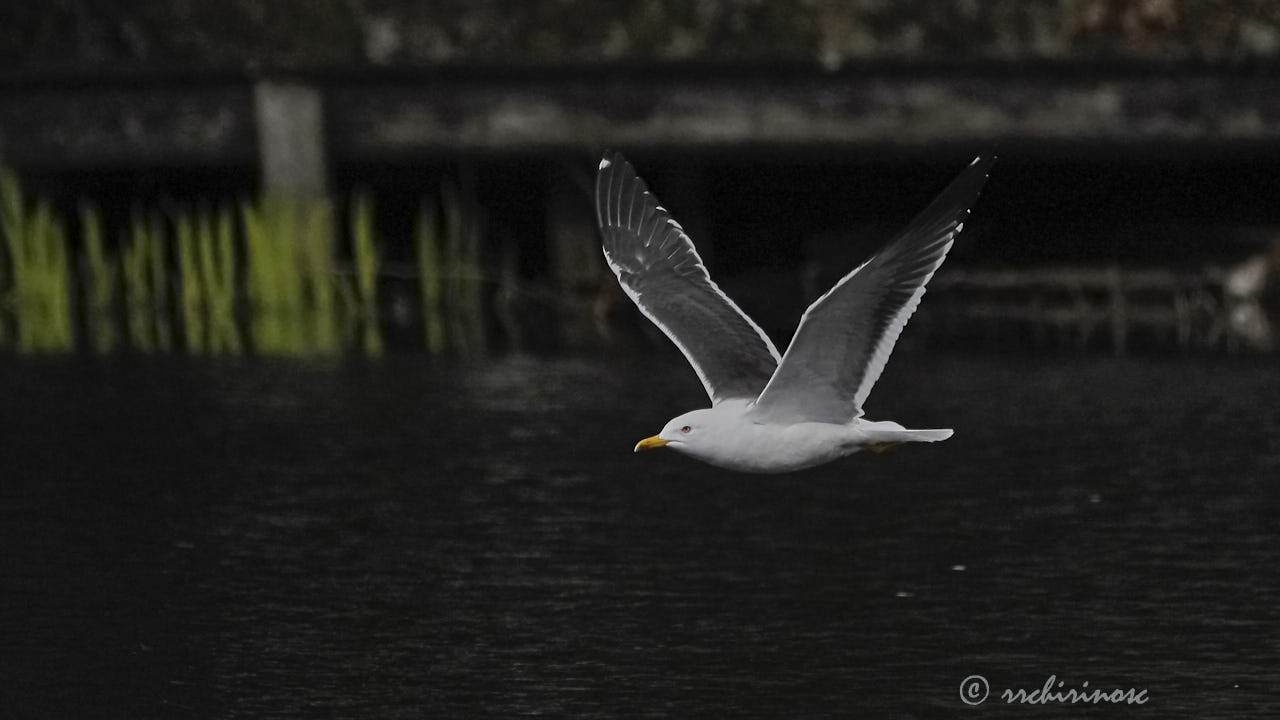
(686, 429)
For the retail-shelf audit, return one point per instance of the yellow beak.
(650, 443)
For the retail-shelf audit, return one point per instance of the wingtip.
(984, 162)
(982, 159)
(610, 158)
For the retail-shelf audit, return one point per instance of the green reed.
(207, 269)
(158, 271)
(39, 289)
(217, 253)
(102, 280)
(195, 278)
(191, 280)
(427, 245)
(135, 265)
(447, 240)
(365, 256)
(318, 273)
(268, 236)
(289, 246)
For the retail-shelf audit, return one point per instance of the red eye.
(686, 429)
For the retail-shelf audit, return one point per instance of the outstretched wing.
(658, 268)
(845, 337)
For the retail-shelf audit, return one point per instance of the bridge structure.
(293, 124)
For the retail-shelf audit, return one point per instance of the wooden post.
(291, 146)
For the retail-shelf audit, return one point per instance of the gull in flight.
(772, 413)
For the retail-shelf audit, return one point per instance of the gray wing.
(659, 269)
(845, 337)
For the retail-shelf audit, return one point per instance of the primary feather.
(660, 270)
(846, 336)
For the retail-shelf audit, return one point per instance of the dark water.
(394, 540)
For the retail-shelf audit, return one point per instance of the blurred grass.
(137, 282)
(102, 278)
(427, 245)
(289, 244)
(364, 253)
(218, 280)
(194, 310)
(38, 285)
(202, 279)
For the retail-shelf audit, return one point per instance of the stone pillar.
(291, 147)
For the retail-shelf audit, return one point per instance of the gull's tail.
(926, 435)
(885, 434)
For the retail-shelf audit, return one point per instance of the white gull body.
(772, 413)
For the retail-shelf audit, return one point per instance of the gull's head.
(688, 433)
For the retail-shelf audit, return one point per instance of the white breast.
(738, 443)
